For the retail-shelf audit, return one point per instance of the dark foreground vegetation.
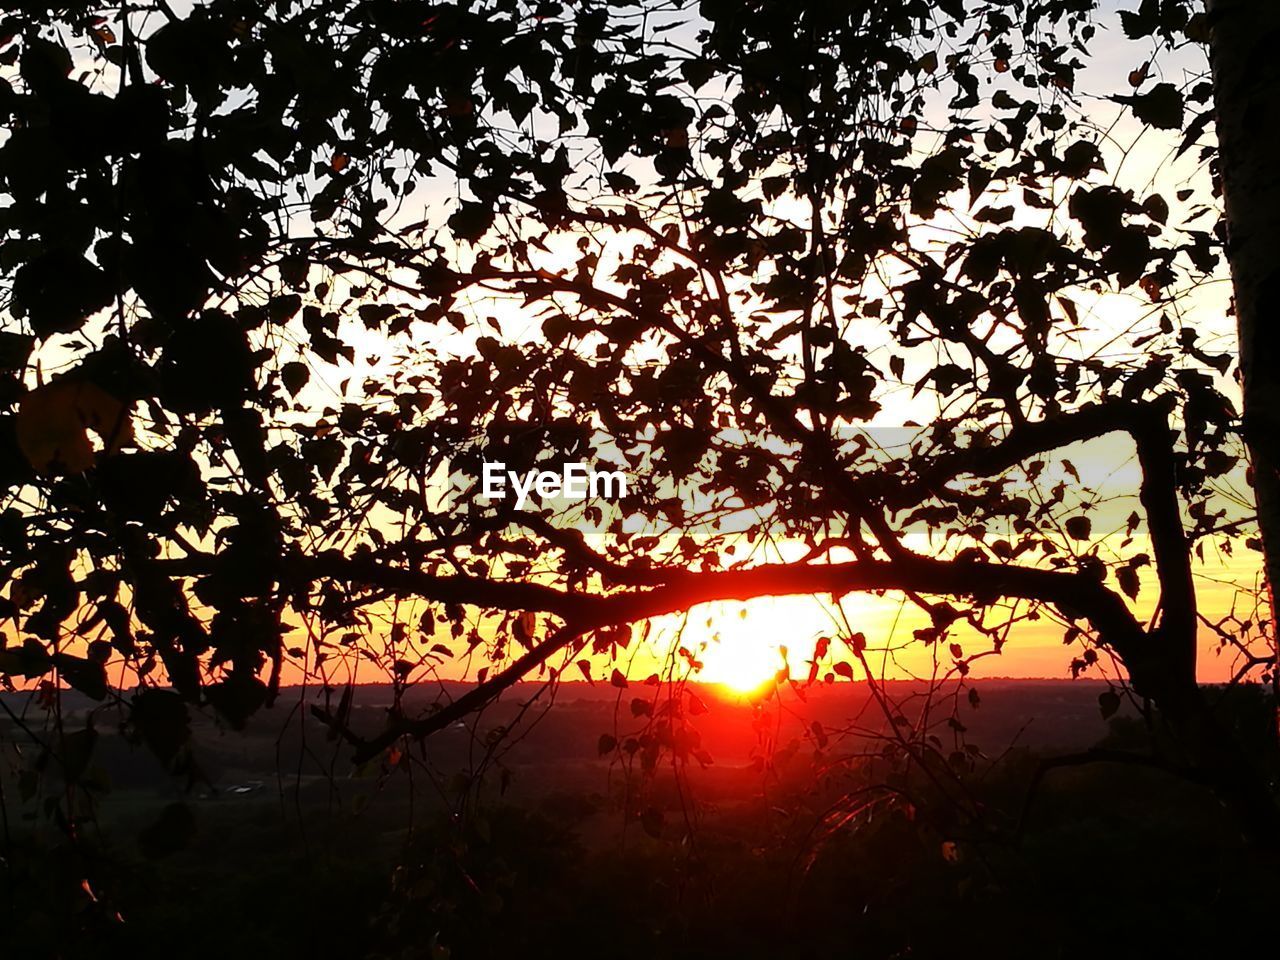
(776, 848)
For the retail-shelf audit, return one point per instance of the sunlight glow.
(745, 649)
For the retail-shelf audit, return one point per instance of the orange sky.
(740, 644)
(748, 646)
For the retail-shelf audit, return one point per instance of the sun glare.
(744, 652)
(741, 667)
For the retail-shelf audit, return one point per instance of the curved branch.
(466, 704)
(1075, 592)
(1148, 425)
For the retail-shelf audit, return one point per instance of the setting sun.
(741, 667)
(747, 643)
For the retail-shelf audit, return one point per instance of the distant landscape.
(1041, 715)
(280, 814)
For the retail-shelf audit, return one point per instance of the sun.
(746, 642)
(741, 667)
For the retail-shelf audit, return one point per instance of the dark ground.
(779, 846)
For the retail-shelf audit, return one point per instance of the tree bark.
(1244, 40)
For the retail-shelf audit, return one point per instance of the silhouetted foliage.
(273, 269)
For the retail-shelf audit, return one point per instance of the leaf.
(374, 315)
(1157, 208)
(1108, 703)
(87, 676)
(1160, 107)
(31, 660)
(617, 679)
(697, 71)
(1197, 28)
(471, 221)
(284, 308)
(1195, 129)
(53, 421)
(606, 744)
(1140, 23)
(161, 719)
(995, 215)
(237, 697)
(1079, 528)
(1080, 158)
(525, 626)
(844, 669)
(294, 376)
(1129, 581)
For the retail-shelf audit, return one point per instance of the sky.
(743, 644)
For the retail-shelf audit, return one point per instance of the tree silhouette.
(272, 267)
(1245, 83)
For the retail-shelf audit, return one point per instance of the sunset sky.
(741, 643)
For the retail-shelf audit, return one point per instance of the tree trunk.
(1244, 45)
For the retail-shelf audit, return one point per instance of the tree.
(272, 267)
(1245, 87)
